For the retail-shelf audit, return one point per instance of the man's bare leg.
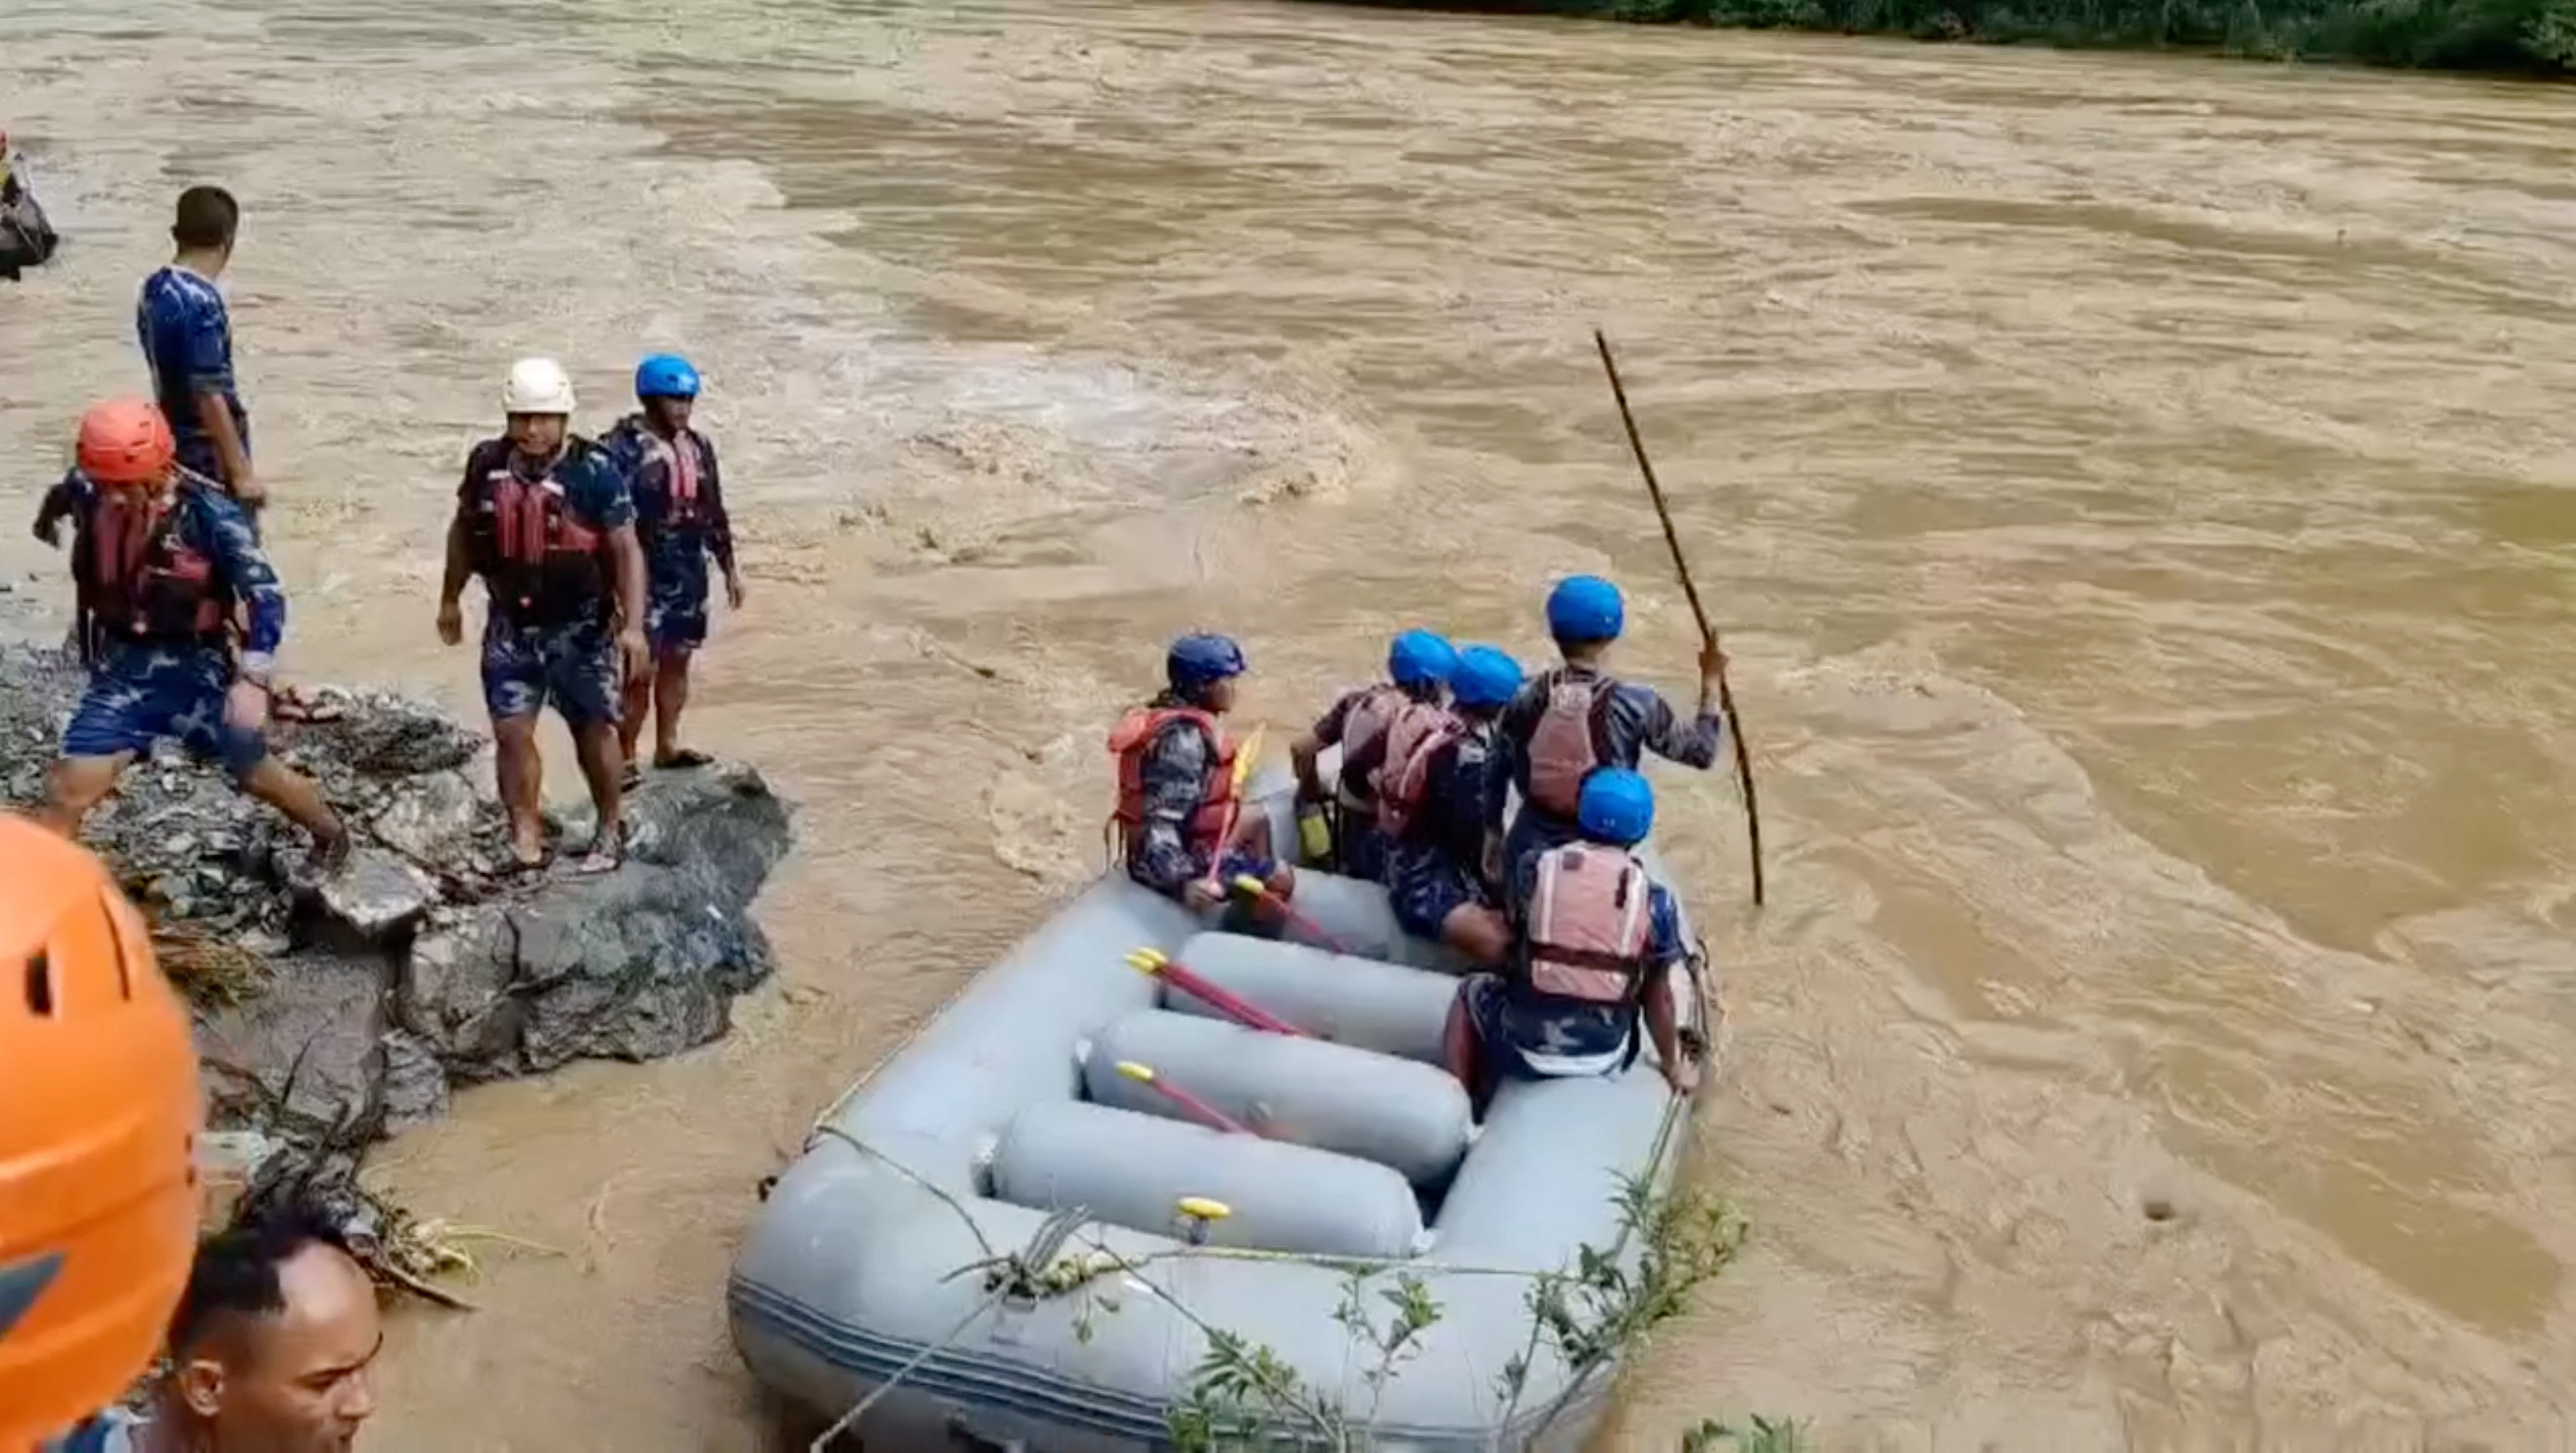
(1479, 932)
(603, 766)
(294, 794)
(670, 698)
(521, 778)
(74, 786)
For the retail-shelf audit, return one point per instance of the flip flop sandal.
(329, 858)
(522, 867)
(685, 757)
(602, 857)
(631, 778)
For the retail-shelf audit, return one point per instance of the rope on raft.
(1041, 1271)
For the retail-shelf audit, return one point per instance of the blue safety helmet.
(1200, 661)
(1485, 677)
(1585, 608)
(666, 376)
(1421, 658)
(1617, 806)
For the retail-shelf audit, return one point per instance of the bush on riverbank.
(2529, 37)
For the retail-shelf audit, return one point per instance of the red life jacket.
(1566, 744)
(1403, 780)
(140, 578)
(682, 464)
(1368, 719)
(1590, 926)
(537, 560)
(1129, 741)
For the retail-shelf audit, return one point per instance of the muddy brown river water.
(2140, 493)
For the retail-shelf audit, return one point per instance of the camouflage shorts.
(675, 600)
(573, 668)
(139, 694)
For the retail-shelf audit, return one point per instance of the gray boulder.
(637, 963)
(430, 818)
(307, 1054)
(332, 1012)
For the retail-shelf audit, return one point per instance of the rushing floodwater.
(2138, 493)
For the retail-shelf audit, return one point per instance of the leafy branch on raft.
(1245, 1397)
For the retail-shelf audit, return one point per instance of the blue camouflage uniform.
(1527, 1037)
(1635, 720)
(549, 637)
(156, 674)
(678, 535)
(1160, 854)
(113, 1431)
(1437, 866)
(187, 338)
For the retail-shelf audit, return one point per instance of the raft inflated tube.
(1352, 1001)
(1135, 1170)
(1409, 1117)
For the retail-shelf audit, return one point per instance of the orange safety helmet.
(99, 1111)
(125, 441)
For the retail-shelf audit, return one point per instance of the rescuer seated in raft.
(161, 559)
(1574, 718)
(1418, 664)
(1597, 939)
(1431, 805)
(1184, 829)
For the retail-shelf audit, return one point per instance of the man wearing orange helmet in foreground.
(161, 560)
(275, 1324)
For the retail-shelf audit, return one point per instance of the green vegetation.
(2520, 37)
(1245, 1397)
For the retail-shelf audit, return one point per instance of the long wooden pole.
(1707, 632)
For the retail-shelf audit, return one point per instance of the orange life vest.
(1590, 926)
(1129, 742)
(1566, 744)
(1368, 719)
(1404, 779)
(139, 577)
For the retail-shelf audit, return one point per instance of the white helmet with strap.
(537, 386)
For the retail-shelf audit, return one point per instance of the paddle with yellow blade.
(1191, 1105)
(1253, 888)
(1198, 1214)
(1244, 758)
(1155, 963)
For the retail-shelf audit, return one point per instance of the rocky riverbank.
(331, 1015)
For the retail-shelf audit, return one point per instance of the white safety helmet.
(537, 386)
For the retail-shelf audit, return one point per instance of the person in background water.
(161, 562)
(1187, 833)
(99, 1194)
(187, 338)
(680, 518)
(270, 1349)
(543, 517)
(1597, 941)
(1431, 805)
(26, 238)
(1418, 664)
(1574, 718)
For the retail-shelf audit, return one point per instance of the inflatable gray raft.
(874, 1258)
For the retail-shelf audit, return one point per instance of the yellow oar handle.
(1147, 961)
(1246, 883)
(1142, 1073)
(1200, 1208)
